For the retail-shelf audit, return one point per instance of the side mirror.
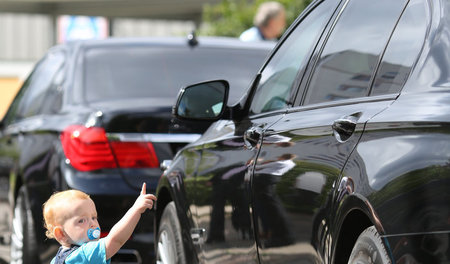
(202, 101)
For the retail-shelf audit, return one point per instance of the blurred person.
(269, 23)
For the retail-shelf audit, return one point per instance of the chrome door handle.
(343, 128)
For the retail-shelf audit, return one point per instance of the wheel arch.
(16, 181)
(357, 215)
(171, 189)
(164, 198)
(354, 223)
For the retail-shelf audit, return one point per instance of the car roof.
(207, 41)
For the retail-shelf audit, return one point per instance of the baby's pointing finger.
(144, 187)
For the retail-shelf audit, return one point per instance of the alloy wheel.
(166, 249)
(17, 235)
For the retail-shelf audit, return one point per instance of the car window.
(403, 49)
(30, 98)
(53, 99)
(352, 51)
(277, 78)
(149, 71)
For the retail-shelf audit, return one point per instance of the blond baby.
(71, 218)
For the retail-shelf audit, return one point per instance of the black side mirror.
(202, 101)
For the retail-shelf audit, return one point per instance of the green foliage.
(232, 17)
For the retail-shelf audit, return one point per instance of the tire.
(23, 242)
(369, 249)
(170, 245)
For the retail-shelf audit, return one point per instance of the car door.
(222, 179)
(402, 157)
(302, 155)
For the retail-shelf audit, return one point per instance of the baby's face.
(81, 215)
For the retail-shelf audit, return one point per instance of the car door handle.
(252, 136)
(343, 128)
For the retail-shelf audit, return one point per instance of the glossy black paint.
(298, 183)
(31, 154)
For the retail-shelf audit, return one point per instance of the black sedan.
(95, 116)
(338, 153)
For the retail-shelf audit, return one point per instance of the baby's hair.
(52, 208)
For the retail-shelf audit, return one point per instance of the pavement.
(4, 254)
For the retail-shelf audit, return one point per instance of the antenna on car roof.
(192, 39)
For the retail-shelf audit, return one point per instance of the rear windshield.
(130, 72)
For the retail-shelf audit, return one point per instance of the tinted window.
(160, 72)
(403, 49)
(53, 99)
(31, 97)
(274, 90)
(352, 51)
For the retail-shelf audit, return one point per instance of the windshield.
(150, 71)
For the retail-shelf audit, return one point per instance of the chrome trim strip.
(153, 137)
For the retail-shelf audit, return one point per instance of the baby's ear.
(59, 234)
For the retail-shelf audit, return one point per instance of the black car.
(95, 116)
(339, 152)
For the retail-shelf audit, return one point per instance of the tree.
(232, 17)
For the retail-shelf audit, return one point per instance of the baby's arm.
(123, 229)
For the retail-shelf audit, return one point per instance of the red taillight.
(135, 154)
(88, 149)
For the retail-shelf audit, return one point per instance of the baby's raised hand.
(144, 201)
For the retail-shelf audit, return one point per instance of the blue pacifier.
(93, 233)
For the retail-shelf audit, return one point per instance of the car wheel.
(170, 246)
(369, 249)
(23, 242)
